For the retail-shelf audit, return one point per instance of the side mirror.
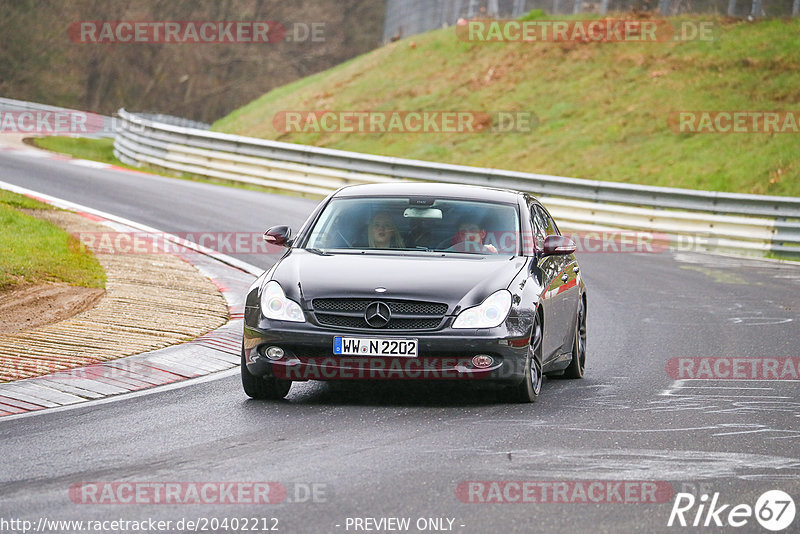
(558, 244)
(280, 236)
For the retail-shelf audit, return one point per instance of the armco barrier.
(731, 222)
(97, 125)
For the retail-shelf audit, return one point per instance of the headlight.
(275, 305)
(491, 313)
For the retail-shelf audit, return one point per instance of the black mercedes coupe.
(418, 281)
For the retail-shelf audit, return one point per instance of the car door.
(568, 291)
(550, 267)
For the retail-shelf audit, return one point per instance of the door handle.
(564, 277)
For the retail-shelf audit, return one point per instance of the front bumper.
(443, 354)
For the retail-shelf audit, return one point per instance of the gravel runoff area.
(151, 301)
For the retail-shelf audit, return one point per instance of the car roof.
(439, 190)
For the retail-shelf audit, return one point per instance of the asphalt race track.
(401, 451)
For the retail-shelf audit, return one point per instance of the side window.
(538, 228)
(548, 223)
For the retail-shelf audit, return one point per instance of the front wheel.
(528, 390)
(578, 363)
(263, 387)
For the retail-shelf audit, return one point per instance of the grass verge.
(33, 250)
(101, 149)
(603, 108)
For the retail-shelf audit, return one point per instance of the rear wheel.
(263, 387)
(578, 363)
(528, 390)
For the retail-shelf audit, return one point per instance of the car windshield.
(417, 224)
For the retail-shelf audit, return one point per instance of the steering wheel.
(343, 238)
(445, 243)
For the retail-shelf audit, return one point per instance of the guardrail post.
(457, 10)
(472, 9)
(778, 238)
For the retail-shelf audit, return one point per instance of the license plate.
(364, 346)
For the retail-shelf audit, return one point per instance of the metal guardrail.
(748, 224)
(96, 125)
(175, 121)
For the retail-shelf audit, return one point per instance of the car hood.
(458, 280)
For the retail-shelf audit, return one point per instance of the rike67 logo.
(774, 510)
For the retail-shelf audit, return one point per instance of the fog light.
(274, 353)
(482, 361)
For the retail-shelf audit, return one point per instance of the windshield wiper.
(318, 252)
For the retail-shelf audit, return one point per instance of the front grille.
(399, 307)
(406, 314)
(359, 322)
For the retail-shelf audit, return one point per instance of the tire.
(263, 387)
(528, 390)
(578, 364)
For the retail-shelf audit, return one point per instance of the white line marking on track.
(89, 163)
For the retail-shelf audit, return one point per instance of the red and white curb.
(210, 354)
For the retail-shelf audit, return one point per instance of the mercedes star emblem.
(377, 314)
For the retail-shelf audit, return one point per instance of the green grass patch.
(14, 200)
(603, 108)
(33, 250)
(81, 147)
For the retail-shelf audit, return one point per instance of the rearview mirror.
(280, 236)
(422, 213)
(558, 244)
